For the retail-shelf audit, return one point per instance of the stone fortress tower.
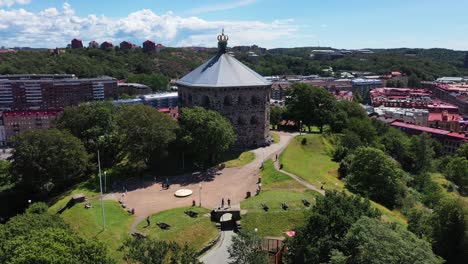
(234, 90)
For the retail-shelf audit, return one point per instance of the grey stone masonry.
(247, 108)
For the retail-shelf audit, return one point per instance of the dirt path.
(148, 198)
(300, 180)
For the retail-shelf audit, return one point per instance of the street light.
(100, 184)
(300, 127)
(105, 181)
(199, 193)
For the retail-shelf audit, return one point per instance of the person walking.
(222, 203)
(148, 221)
(229, 202)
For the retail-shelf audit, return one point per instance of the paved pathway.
(219, 254)
(148, 198)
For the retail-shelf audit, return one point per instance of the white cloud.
(220, 7)
(12, 2)
(56, 27)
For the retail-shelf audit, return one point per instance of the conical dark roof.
(223, 70)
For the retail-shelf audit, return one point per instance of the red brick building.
(125, 45)
(149, 46)
(93, 44)
(107, 45)
(451, 141)
(76, 44)
(20, 121)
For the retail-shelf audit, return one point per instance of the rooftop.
(223, 70)
(159, 95)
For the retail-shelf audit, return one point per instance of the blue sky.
(267, 23)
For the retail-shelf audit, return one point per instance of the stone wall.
(247, 108)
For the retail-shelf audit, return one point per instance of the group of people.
(228, 202)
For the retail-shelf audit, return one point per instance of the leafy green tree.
(326, 226)
(463, 151)
(276, 115)
(5, 176)
(364, 129)
(246, 248)
(371, 241)
(376, 176)
(205, 133)
(420, 222)
(345, 110)
(465, 63)
(152, 251)
(399, 146)
(457, 172)
(157, 82)
(422, 152)
(414, 81)
(352, 109)
(450, 234)
(145, 132)
(94, 124)
(45, 159)
(40, 237)
(88, 121)
(311, 105)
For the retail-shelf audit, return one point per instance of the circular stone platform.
(183, 193)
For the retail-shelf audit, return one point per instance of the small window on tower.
(228, 100)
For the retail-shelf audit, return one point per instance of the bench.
(265, 207)
(191, 213)
(163, 225)
(284, 206)
(305, 202)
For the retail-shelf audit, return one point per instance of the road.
(219, 254)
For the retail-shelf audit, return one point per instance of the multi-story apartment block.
(76, 44)
(19, 94)
(20, 121)
(149, 46)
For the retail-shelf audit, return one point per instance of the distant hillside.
(424, 64)
(172, 62)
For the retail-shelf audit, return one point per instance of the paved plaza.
(230, 183)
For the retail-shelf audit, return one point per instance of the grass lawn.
(274, 179)
(276, 220)
(276, 137)
(237, 160)
(184, 229)
(88, 188)
(312, 161)
(88, 222)
(444, 185)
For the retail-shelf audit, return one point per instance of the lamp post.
(100, 184)
(199, 194)
(105, 181)
(300, 127)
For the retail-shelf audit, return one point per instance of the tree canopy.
(145, 132)
(371, 241)
(246, 248)
(374, 175)
(45, 159)
(152, 251)
(205, 133)
(328, 222)
(313, 106)
(39, 237)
